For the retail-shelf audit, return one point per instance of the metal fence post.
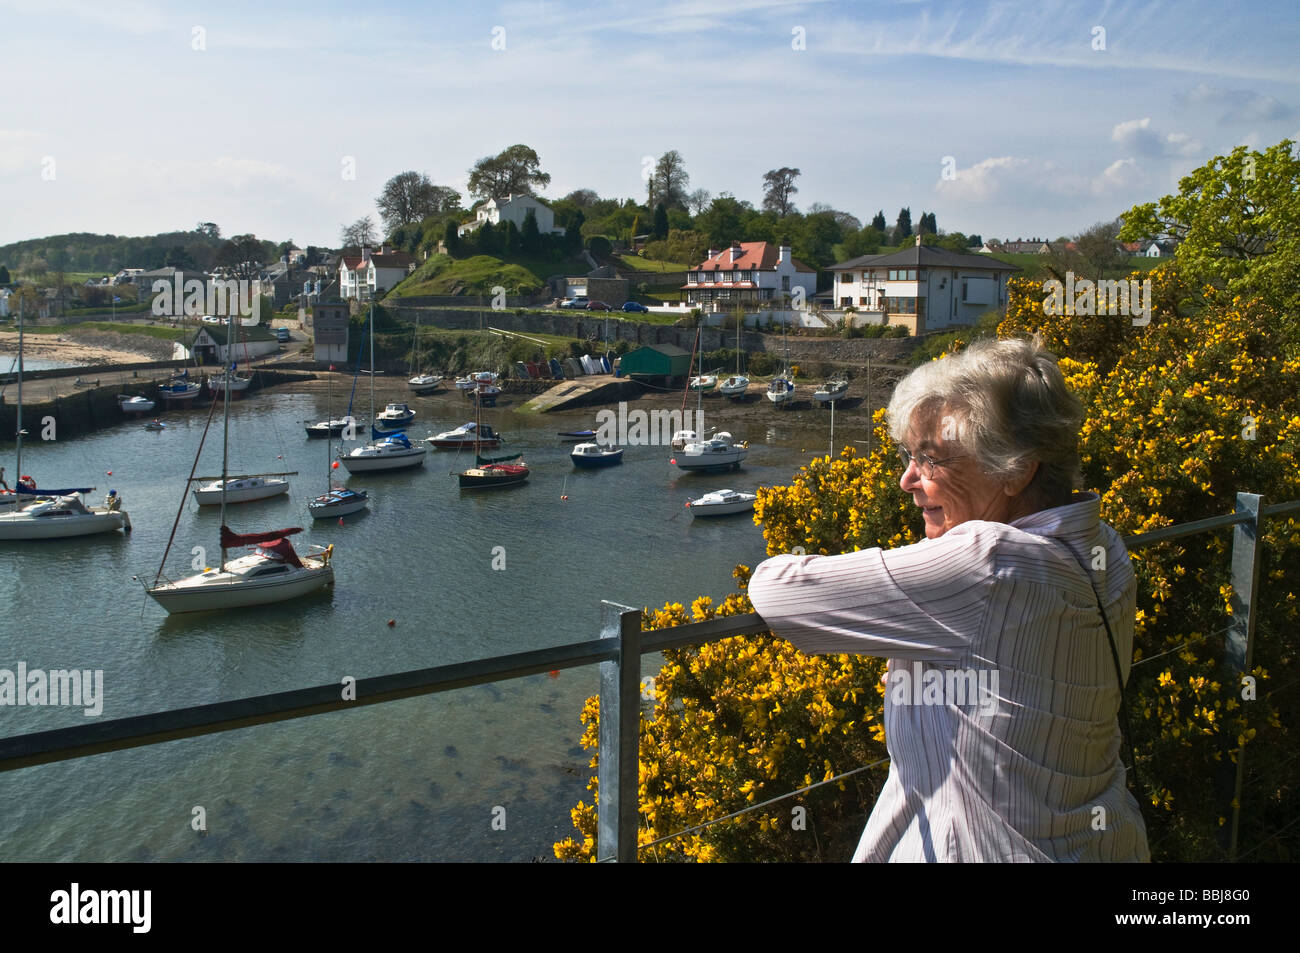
(620, 736)
(1247, 548)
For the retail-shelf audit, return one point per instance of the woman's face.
(956, 491)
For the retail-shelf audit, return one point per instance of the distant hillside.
(88, 253)
(444, 275)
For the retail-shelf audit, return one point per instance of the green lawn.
(637, 263)
(153, 331)
(442, 275)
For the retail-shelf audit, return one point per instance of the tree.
(530, 239)
(4, 275)
(514, 171)
(583, 198)
(1099, 248)
(902, 228)
(669, 182)
(661, 221)
(720, 222)
(573, 233)
(241, 254)
(178, 257)
(698, 201)
(778, 186)
(411, 197)
(359, 233)
(1236, 220)
(209, 228)
(878, 223)
(926, 225)
(450, 238)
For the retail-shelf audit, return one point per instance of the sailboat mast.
(19, 435)
(225, 430)
(372, 364)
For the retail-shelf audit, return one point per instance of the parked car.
(635, 306)
(283, 336)
(598, 306)
(579, 303)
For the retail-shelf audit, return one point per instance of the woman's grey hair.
(1005, 403)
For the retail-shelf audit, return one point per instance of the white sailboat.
(781, 391)
(386, 451)
(737, 384)
(273, 572)
(421, 384)
(53, 514)
(337, 500)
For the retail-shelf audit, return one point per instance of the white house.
(1159, 250)
(209, 344)
(360, 276)
(512, 208)
(923, 287)
(747, 273)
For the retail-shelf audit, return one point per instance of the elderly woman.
(1002, 687)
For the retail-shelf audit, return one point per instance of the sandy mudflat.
(63, 348)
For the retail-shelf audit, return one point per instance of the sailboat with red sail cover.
(272, 572)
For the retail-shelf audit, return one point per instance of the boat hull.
(186, 596)
(17, 526)
(382, 464)
(210, 495)
(492, 477)
(333, 504)
(700, 509)
(596, 462)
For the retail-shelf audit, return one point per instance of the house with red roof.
(361, 276)
(749, 273)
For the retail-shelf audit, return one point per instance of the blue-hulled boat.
(590, 456)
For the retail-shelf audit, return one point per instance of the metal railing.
(618, 650)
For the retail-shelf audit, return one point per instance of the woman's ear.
(1016, 485)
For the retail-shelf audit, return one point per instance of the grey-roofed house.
(923, 287)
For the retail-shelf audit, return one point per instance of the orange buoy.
(392, 623)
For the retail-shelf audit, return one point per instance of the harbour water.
(422, 779)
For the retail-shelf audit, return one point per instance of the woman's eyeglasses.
(925, 463)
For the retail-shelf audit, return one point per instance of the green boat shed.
(656, 360)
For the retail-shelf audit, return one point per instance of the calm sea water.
(420, 779)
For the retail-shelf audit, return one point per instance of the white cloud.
(1139, 136)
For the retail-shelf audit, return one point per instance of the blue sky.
(140, 116)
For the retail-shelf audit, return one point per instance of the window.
(845, 302)
(862, 301)
(785, 282)
(846, 278)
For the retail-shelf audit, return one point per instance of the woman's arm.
(921, 602)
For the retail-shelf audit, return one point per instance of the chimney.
(783, 255)
(736, 251)
(712, 252)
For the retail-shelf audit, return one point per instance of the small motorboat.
(134, 405)
(734, 386)
(423, 384)
(590, 456)
(718, 453)
(385, 452)
(722, 503)
(155, 425)
(394, 417)
(577, 436)
(704, 382)
(467, 436)
(831, 391)
(339, 501)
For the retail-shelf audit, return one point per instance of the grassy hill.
(444, 275)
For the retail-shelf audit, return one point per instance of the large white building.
(750, 273)
(924, 287)
(361, 276)
(512, 208)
